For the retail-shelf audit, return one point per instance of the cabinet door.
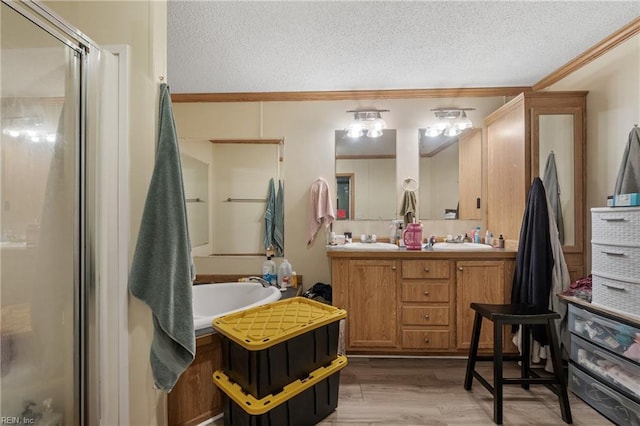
(479, 282)
(373, 297)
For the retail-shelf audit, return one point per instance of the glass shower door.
(39, 226)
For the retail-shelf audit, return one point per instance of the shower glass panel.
(39, 222)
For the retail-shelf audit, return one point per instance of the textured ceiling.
(268, 46)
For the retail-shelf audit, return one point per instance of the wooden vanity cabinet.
(417, 302)
(520, 136)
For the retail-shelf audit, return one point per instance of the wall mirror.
(556, 147)
(366, 176)
(226, 205)
(450, 181)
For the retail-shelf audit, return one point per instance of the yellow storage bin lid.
(264, 326)
(256, 407)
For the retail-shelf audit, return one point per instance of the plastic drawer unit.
(614, 406)
(267, 347)
(611, 369)
(302, 402)
(616, 336)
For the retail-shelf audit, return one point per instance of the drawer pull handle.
(612, 253)
(426, 316)
(613, 219)
(460, 268)
(613, 287)
(426, 293)
(426, 269)
(393, 268)
(426, 340)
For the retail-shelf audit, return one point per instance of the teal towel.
(269, 215)
(162, 272)
(278, 225)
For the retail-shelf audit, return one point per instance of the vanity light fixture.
(451, 122)
(366, 121)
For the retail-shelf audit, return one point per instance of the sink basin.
(461, 246)
(368, 246)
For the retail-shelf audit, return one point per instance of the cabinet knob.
(460, 268)
(426, 293)
(426, 269)
(426, 316)
(393, 268)
(426, 340)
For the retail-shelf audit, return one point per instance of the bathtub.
(213, 300)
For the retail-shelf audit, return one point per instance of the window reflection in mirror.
(556, 135)
(366, 176)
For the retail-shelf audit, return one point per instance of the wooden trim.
(346, 95)
(364, 157)
(259, 141)
(591, 54)
(504, 109)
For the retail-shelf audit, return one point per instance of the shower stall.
(51, 77)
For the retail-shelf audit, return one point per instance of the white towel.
(321, 211)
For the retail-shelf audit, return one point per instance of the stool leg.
(473, 351)
(525, 329)
(556, 359)
(498, 329)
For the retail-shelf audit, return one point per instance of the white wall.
(613, 107)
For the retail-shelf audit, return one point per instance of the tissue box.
(623, 200)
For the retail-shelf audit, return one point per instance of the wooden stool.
(526, 316)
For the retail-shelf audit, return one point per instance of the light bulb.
(452, 131)
(432, 132)
(374, 133)
(463, 122)
(378, 124)
(51, 137)
(355, 129)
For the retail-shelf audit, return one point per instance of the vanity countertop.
(402, 253)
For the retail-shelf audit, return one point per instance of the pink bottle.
(413, 236)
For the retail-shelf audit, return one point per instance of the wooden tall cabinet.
(470, 174)
(520, 137)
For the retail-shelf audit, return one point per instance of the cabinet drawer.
(425, 292)
(425, 315)
(423, 339)
(615, 225)
(434, 269)
(614, 406)
(612, 335)
(611, 369)
(617, 261)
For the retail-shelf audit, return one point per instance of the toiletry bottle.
(269, 271)
(284, 275)
(476, 235)
(294, 279)
(501, 241)
(399, 241)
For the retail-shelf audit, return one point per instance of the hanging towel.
(628, 180)
(552, 189)
(162, 272)
(278, 225)
(408, 210)
(269, 214)
(321, 210)
(534, 260)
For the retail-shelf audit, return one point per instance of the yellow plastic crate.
(290, 406)
(267, 347)
(266, 325)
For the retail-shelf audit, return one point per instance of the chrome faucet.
(265, 283)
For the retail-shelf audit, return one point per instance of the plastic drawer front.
(615, 225)
(611, 369)
(616, 295)
(267, 347)
(614, 336)
(617, 261)
(617, 408)
(303, 402)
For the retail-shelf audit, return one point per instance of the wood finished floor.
(412, 391)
